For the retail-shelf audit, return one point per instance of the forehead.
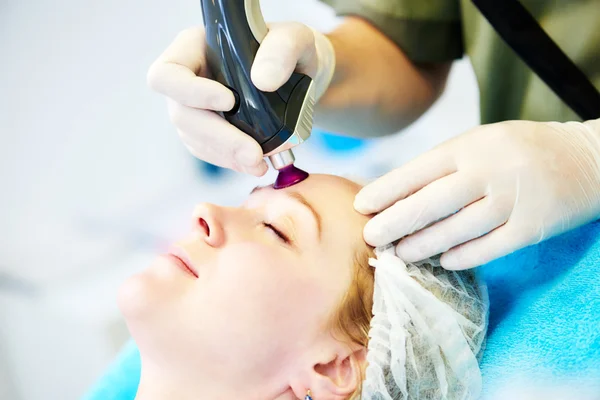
(333, 199)
(330, 181)
(328, 190)
(321, 189)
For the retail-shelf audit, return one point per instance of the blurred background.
(94, 181)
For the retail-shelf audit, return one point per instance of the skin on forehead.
(333, 199)
(330, 199)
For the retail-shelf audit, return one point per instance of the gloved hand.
(181, 74)
(488, 192)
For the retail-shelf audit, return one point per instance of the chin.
(134, 297)
(138, 300)
(148, 314)
(150, 292)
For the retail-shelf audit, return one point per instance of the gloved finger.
(401, 182)
(180, 84)
(286, 46)
(205, 128)
(174, 74)
(498, 243)
(435, 201)
(473, 221)
(212, 156)
(207, 153)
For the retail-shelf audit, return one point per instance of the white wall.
(7, 388)
(94, 180)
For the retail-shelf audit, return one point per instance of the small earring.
(308, 396)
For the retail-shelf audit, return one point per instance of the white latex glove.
(488, 192)
(180, 74)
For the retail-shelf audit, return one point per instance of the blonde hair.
(352, 319)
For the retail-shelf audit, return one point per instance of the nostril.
(204, 225)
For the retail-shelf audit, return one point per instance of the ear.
(336, 374)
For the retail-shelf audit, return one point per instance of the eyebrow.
(302, 200)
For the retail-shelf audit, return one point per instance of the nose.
(208, 223)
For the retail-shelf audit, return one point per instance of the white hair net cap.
(427, 331)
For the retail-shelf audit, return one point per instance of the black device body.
(268, 117)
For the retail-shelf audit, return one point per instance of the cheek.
(259, 274)
(265, 290)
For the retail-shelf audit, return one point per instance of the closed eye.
(276, 231)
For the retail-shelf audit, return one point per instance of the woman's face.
(267, 277)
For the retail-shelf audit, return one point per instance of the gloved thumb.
(285, 46)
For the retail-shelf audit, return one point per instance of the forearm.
(376, 90)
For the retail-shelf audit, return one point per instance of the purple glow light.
(289, 176)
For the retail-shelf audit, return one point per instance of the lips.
(181, 258)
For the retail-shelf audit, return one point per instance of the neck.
(159, 384)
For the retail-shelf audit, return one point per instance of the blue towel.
(545, 314)
(122, 379)
(544, 319)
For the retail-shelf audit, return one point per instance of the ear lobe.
(340, 376)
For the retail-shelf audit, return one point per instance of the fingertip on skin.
(372, 198)
(363, 203)
(359, 206)
(371, 234)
